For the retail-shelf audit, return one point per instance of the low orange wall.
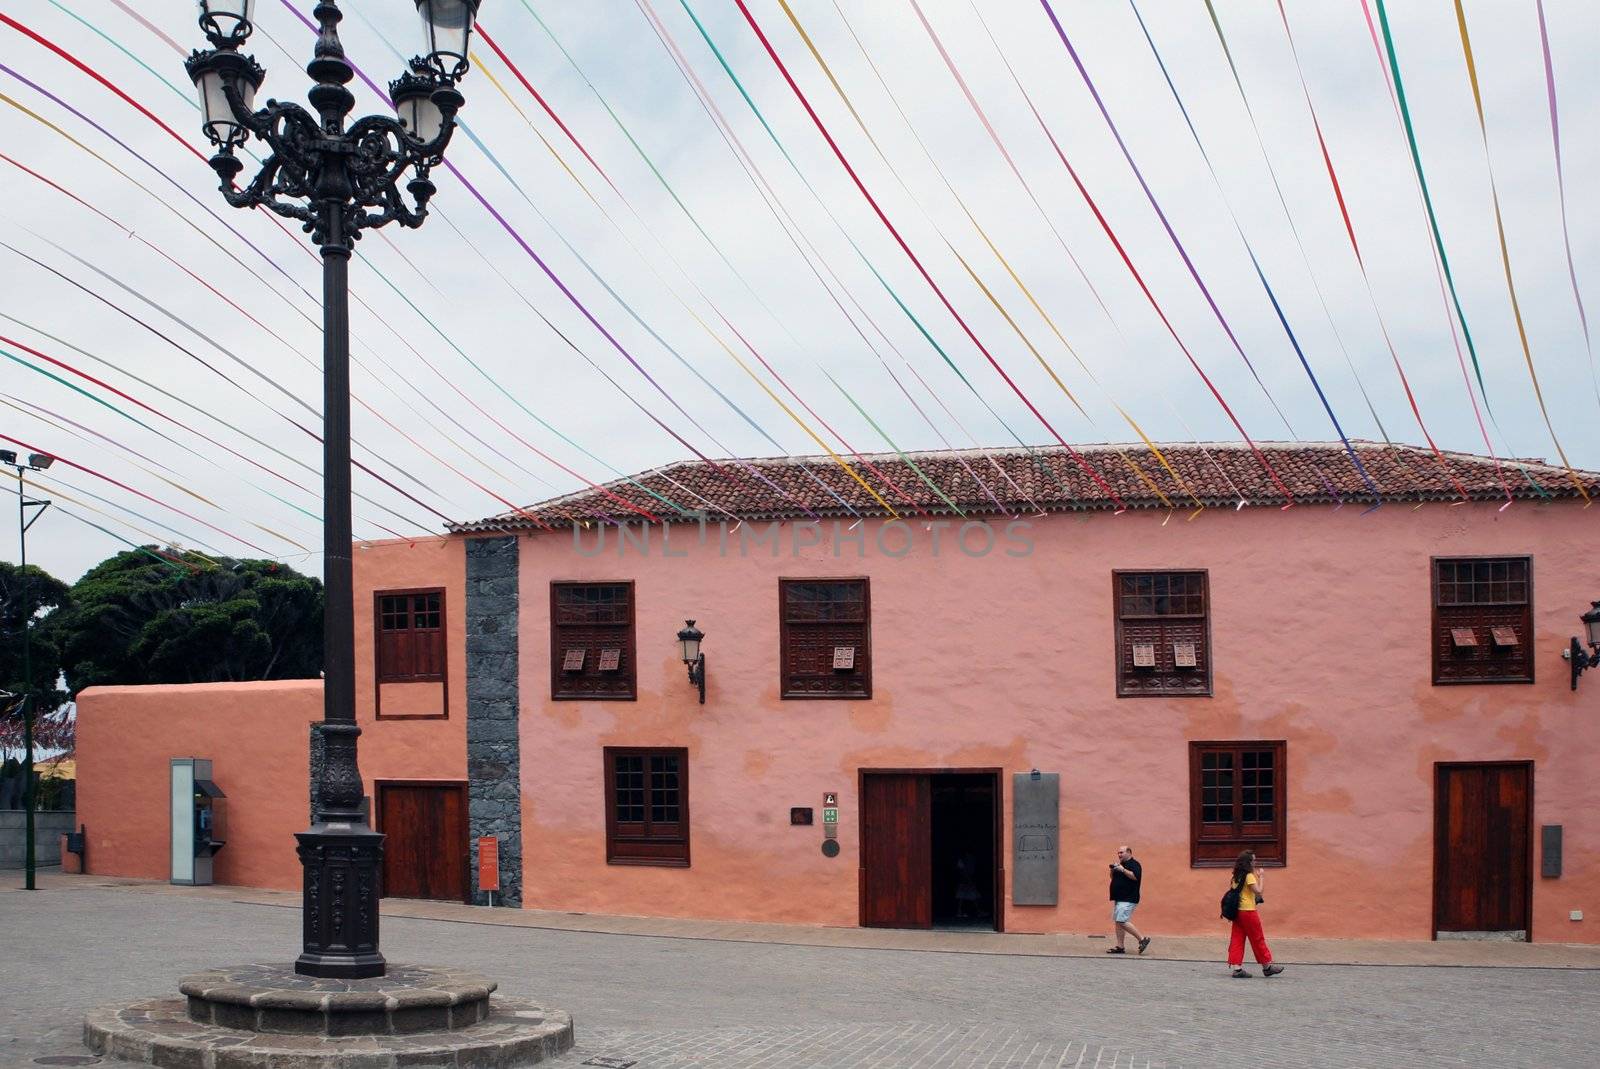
(257, 738)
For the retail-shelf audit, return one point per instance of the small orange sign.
(489, 864)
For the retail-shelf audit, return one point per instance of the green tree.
(37, 596)
(137, 618)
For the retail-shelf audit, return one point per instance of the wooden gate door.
(896, 851)
(425, 852)
(1483, 860)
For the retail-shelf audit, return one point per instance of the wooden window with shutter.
(825, 638)
(1482, 620)
(409, 645)
(647, 806)
(410, 635)
(1163, 633)
(592, 641)
(1238, 800)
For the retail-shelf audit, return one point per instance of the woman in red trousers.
(1247, 925)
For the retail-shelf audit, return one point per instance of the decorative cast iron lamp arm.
(1581, 662)
(373, 155)
(316, 167)
(697, 676)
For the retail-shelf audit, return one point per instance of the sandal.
(1115, 950)
(1144, 944)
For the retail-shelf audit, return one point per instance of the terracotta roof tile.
(1045, 478)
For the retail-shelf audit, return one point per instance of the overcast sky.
(475, 400)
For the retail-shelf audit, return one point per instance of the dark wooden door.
(896, 851)
(1483, 847)
(425, 852)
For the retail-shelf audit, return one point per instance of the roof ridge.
(1040, 476)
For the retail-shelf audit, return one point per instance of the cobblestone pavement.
(670, 1003)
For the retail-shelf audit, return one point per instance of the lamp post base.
(265, 1016)
(342, 867)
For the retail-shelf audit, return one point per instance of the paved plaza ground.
(665, 995)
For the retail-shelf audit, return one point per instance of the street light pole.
(35, 462)
(336, 180)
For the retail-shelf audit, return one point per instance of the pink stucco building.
(1374, 701)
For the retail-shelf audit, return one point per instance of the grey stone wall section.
(493, 751)
(48, 827)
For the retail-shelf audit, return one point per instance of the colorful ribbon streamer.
(983, 287)
(358, 464)
(794, 87)
(382, 380)
(1361, 264)
(208, 339)
(1398, 93)
(851, 107)
(1255, 262)
(633, 313)
(166, 393)
(407, 343)
(135, 319)
(72, 428)
(1561, 187)
(188, 98)
(665, 35)
(138, 493)
(58, 495)
(1505, 253)
(683, 207)
(1172, 234)
(796, 236)
(91, 72)
(1127, 261)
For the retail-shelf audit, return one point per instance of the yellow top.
(1247, 893)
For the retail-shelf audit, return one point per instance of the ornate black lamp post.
(337, 180)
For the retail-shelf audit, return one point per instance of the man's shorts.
(1122, 912)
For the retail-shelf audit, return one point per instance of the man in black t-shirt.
(1127, 877)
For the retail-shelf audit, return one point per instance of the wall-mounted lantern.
(1574, 653)
(689, 643)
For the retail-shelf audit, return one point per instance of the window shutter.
(1482, 620)
(1163, 633)
(825, 638)
(592, 641)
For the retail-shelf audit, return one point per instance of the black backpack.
(1230, 902)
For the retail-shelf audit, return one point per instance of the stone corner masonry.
(493, 756)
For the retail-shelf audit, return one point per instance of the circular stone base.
(160, 1032)
(275, 998)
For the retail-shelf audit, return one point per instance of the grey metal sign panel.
(1035, 838)
(1550, 851)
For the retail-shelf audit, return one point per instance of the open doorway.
(930, 849)
(963, 852)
